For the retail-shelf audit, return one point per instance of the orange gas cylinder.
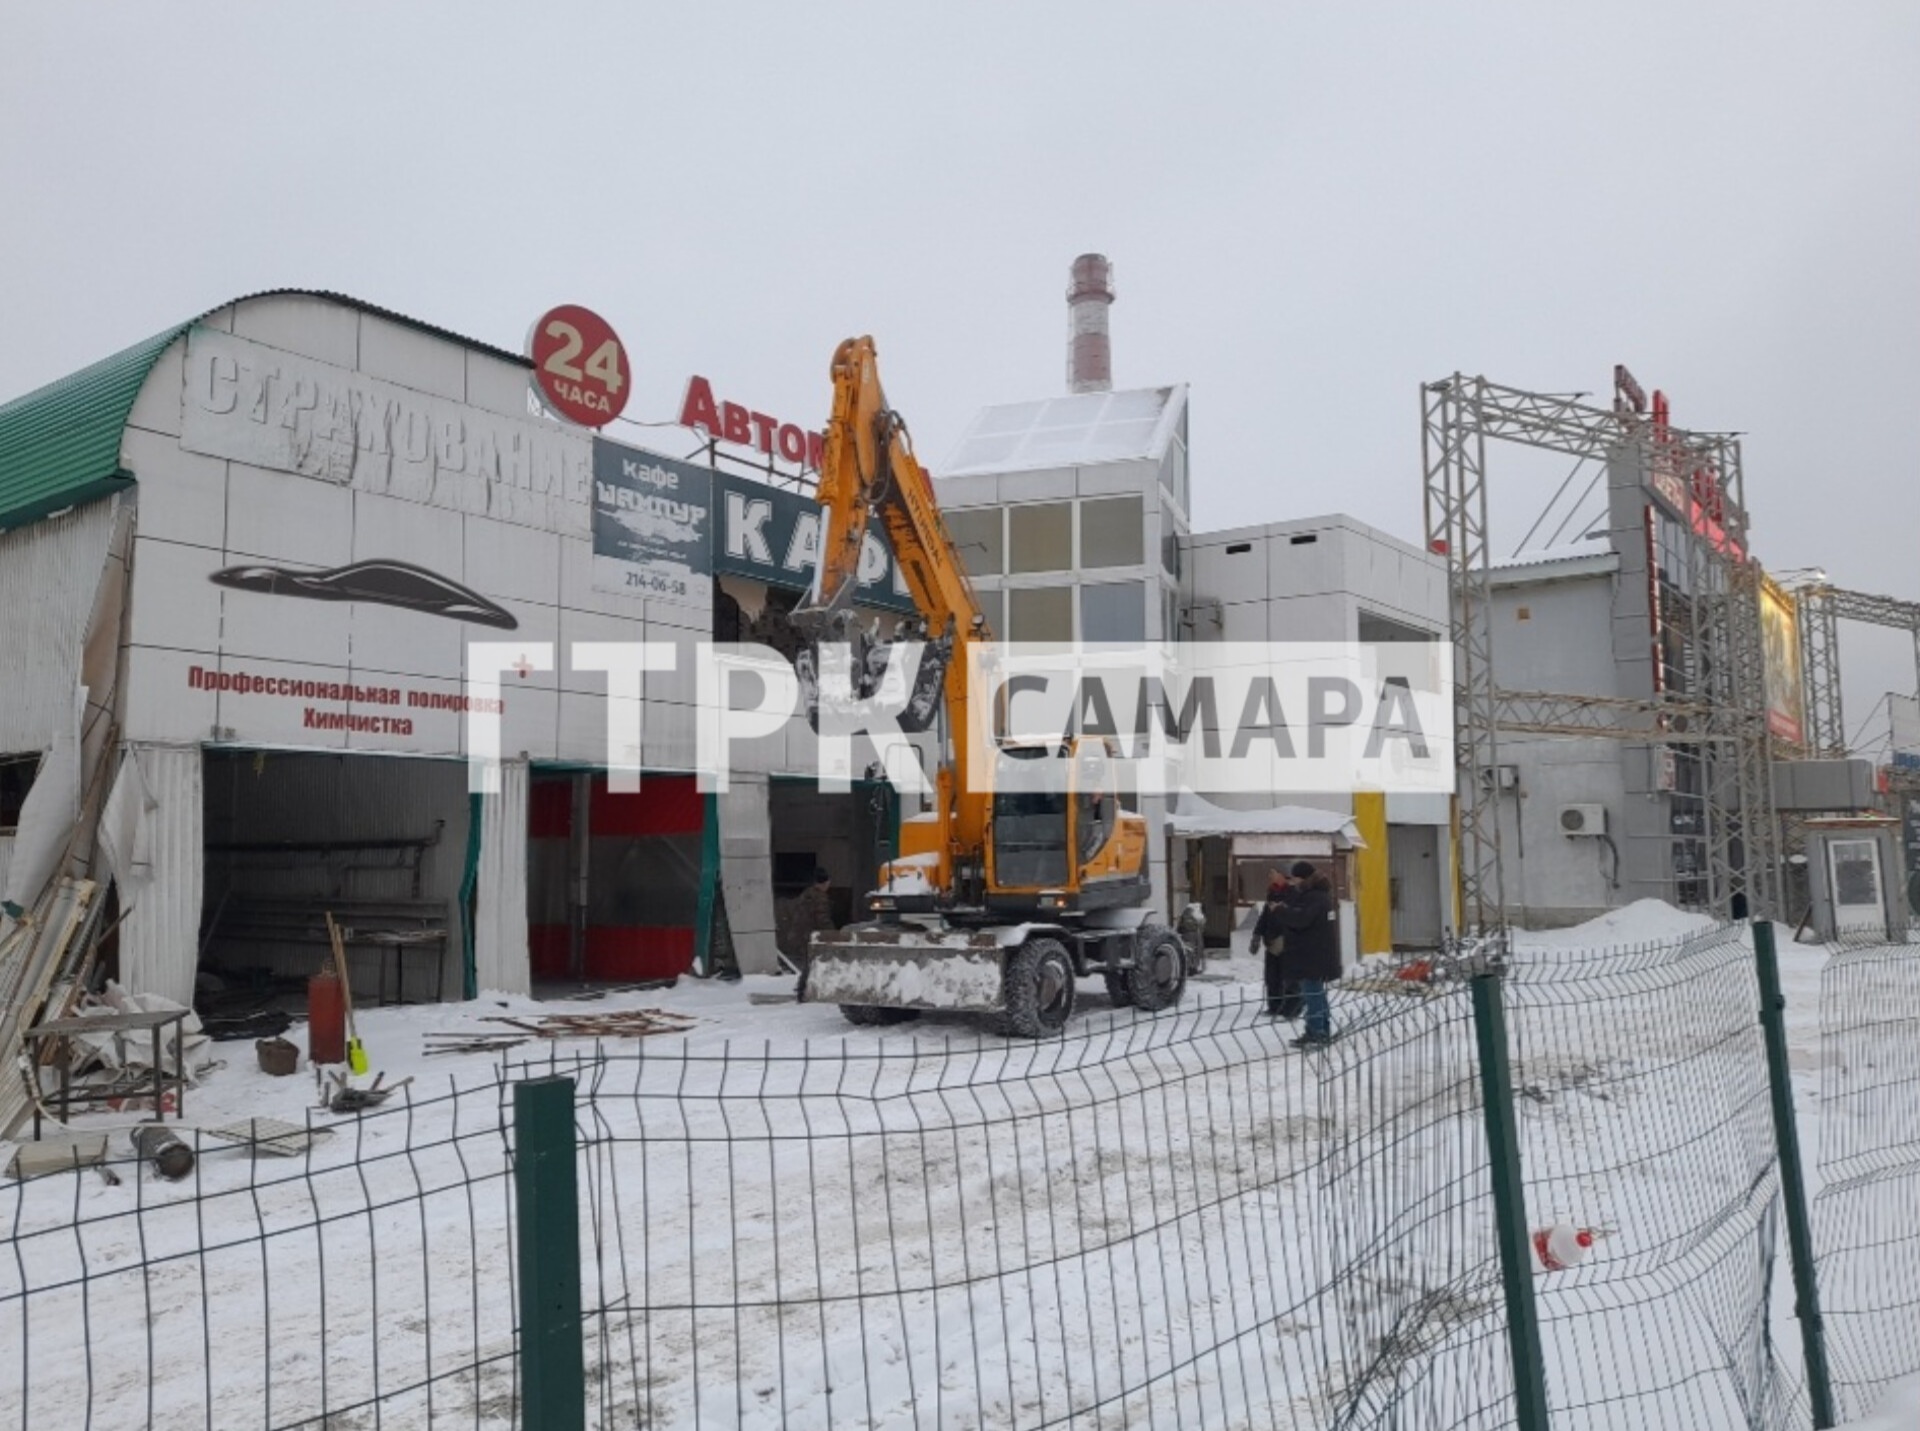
(326, 1019)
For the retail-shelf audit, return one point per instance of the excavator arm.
(868, 471)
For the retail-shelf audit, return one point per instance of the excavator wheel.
(1159, 974)
(876, 1015)
(1119, 987)
(1040, 989)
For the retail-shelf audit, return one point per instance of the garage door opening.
(849, 835)
(378, 842)
(614, 881)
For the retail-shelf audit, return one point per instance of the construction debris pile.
(628, 1023)
(49, 960)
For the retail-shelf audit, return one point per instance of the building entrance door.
(1413, 882)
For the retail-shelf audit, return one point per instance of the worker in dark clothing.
(812, 913)
(1283, 995)
(1309, 919)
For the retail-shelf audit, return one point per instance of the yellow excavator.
(1010, 889)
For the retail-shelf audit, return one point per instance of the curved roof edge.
(60, 444)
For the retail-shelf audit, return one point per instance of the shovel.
(356, 1051)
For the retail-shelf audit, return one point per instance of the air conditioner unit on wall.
(1583, 820)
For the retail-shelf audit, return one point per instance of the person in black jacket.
(1283, 994)
(1309, 919)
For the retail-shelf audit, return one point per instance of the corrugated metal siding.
(49, 576)
(500, 916)
(61, 443)
(160, 936)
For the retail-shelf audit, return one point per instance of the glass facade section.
(1040, 537)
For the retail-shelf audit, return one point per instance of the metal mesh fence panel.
(1121, 1227)
(1867, 1213)
(365, 1284)
(1176, 1220)
(1642, 1085)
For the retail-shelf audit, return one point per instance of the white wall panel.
(411, 358)
(256, 626)
(512, 562)
(175, 605)
(497, 386)
(182, 496)
(1052, 485)
(746, 874)
(49, 575)
(262, 719)
(500, 899)
(159, 704)
(967, 491)
(389, 529)
(1105, 479)
(288, 520)
(295, 323)
(160, 870)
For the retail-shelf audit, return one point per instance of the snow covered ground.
(1159, 1220)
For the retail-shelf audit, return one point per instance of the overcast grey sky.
(1310, 209)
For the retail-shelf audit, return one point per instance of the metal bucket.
(170, 1157)
(901, 967)
(277, 1056)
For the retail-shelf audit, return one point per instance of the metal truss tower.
(1718, 709)
(1821, 609)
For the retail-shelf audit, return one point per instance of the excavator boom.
(1000, 898)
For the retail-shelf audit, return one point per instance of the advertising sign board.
(652, 526)
(1780, 633)
(773, 535)
(1904, 720)
(579, 365)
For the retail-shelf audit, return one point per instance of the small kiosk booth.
(1230, 855)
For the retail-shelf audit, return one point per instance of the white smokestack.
(1089, 350)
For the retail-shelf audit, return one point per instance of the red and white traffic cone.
(1563, 1245)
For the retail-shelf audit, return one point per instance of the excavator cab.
(1051, 850)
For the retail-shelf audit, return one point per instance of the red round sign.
(579, 365)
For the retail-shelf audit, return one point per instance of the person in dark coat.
(1283, 995)
(1309, 919)
(812, 913)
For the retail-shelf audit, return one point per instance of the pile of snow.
(1645, 921)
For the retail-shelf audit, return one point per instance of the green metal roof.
(60, 445)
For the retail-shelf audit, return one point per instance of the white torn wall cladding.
(500, 899)
(151, 837)
(49, 574)
(47, 816)
(746, 873)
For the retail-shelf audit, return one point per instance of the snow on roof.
(1202, 817)
(1555, 563)
(1076, 431)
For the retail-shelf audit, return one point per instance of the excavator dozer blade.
(903, 967)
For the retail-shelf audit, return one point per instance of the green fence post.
(1793, 1186)
(553, 1389)
(709, 884)
(1509, 1205)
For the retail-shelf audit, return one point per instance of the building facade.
(262, 577)
(1073, 516)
